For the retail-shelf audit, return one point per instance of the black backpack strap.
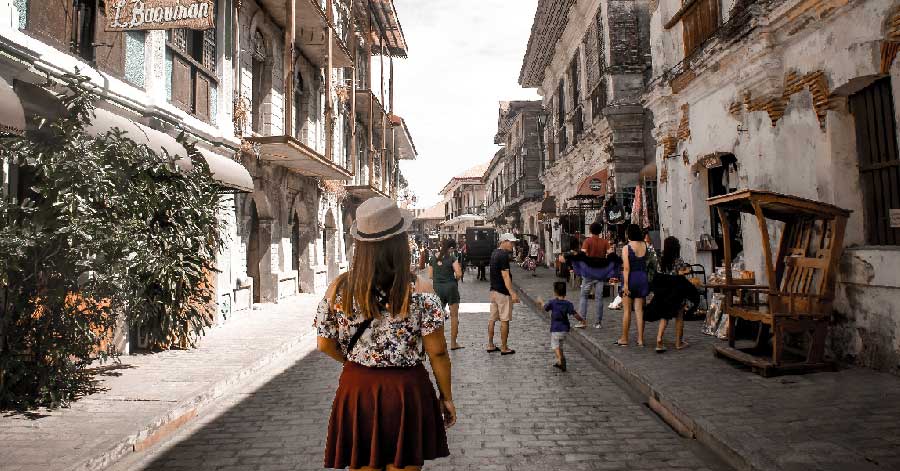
(359, 331)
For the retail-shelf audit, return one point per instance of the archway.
(254, 256)
(300, 256)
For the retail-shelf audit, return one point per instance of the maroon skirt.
(384, 416)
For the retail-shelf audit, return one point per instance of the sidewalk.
(848, 420)
(148, 397)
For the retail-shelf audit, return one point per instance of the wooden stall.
(797, 298)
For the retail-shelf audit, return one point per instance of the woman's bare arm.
(331, 348)
(457, 270)
(626, 269)
(436, 347)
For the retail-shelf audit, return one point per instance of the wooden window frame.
(198, 71)
(697, 30)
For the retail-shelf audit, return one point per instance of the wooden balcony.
(372, 113)
(312, 25)
(289, 152)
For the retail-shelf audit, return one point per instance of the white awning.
(105, 120)
(229, 173)
(12, 115)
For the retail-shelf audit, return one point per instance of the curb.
(667, 409)
(183, 412)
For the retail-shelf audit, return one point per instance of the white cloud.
(464, 58)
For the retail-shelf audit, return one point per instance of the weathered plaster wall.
(804, 153)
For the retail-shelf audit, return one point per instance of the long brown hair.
(380, 265)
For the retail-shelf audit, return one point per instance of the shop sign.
(595, 184)
(125, 15)
(895, 217)
(479, 223)
(711, 161)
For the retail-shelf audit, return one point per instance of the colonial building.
(795, 97)
(512, 184)
(292, 106)
(463, 202)
(589, 60)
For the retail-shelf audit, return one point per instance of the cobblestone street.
(515, 412)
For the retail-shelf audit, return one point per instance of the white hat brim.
(407, 222)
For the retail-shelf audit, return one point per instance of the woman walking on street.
(636, 282)
(385, 413)
(445, 271)
(673, 295)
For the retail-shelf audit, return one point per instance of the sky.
(464, 58)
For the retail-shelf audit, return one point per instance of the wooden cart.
(800, 280)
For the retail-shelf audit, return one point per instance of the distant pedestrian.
(594, 247)
(560, 309)
(635, 282)
(502, 295)
(533, 253)
(385, 411)
(445, 272)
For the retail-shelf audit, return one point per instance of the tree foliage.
(108, 235)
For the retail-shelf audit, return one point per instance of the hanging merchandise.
(613, 212)
(636, 206)
(645, 214)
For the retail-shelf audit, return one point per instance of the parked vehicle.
(480, 242)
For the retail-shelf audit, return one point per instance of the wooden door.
(51, 22)
(879, 164)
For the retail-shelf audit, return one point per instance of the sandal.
(660, 348)
(508, 352)
(459, 347)
(492, 350)
(682, 346)
(618, 344)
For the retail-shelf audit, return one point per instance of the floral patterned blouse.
(389, 341)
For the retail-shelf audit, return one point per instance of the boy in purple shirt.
(560, 309)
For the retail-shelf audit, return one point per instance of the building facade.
(512, 178)
(293, 107)
(463, 202)
(797, 98)
(589, 60)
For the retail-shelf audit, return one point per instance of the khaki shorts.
(501, 307)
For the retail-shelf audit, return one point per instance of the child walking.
(560, 309)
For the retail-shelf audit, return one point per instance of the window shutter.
(209, 49)
(51, 22)
(202, 97)
(181, 83)
(699, 24)
(109, 51)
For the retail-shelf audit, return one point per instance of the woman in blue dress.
(636, 283)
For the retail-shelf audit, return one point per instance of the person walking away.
(674, 296)
(502, 295)
(463, 259)
(560, 309)
(533, 252)
(594, 247)
(445, 271)
(635, 282)
(385, 411)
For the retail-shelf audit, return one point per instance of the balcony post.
(370, 97)
(289, 34)
(353, 149)
(329, 104)
(395, 163)
(383, 123)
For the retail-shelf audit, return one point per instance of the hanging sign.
(125, 15)
(895, 217)
(595, 184)
(711, 161)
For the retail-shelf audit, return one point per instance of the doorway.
(721, 181)
(253, 253)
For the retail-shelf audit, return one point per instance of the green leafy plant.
(105, 234)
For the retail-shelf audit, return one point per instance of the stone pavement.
(147, 397)
(515, 412)
(848, 420)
